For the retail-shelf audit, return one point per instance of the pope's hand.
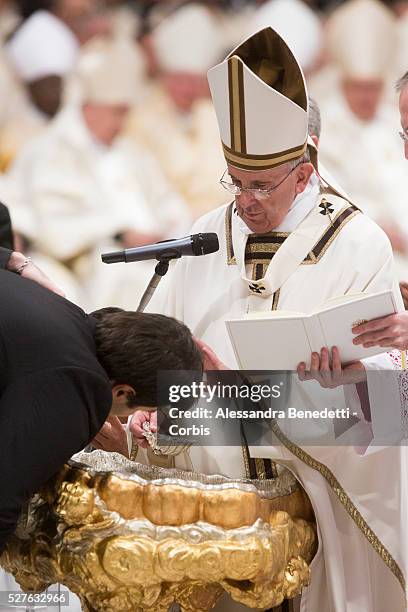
(391, 331)
(210, 359)
(31, 272)
(328, 370)
(136, 426)
(112, 437)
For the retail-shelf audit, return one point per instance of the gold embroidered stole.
(260, 249)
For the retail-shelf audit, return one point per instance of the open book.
(280, 340)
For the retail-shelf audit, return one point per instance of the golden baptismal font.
(129, 538)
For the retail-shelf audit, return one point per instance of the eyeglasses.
(259, 194)
(403, 135)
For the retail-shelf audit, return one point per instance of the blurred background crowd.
(108, 138)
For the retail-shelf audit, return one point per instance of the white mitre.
(361, 37)
(401, 60)
(110, 71)
(42, 46)
(297, 23)
(261, 103)
(188, 40)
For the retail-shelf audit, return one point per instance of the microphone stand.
(160, 270)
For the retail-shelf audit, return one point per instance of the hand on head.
(210, 359)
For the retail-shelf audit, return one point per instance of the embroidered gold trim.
(134, 450)
(254, 270)
(312, 258)
(345, 501)
(245, 456)
(231, 104)
(235, 115)
(247, 161)
(255, 260)
(231, 259)
(270, 235)
(259, 262)
(263, 247)
(275, 300)
(267, 156)
(241, 100)
(260, 468)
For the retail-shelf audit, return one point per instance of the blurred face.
(185, 88)
(46, 94)
(69, 10)
(263, 215)
(363, 96)
(403, 107)
(105, 121)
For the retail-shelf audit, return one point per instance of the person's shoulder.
(38, 150)
(211, 220)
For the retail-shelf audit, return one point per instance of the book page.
(274, 314)
(269, 344)
(337, 321)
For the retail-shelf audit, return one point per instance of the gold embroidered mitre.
(261, 103)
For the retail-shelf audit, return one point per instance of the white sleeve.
(70, 215)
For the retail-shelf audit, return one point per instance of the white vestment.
(181, 141)
(366, 157)
(323, 256)
(82, 194)
(19, 119)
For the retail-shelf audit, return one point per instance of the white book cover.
(280, 340)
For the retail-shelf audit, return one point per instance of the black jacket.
(6, 235)
(54, 394)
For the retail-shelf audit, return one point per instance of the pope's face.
(403, 107)
(263, 215)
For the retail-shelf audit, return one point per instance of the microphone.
(197, 244)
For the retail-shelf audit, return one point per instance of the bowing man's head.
(134, 347)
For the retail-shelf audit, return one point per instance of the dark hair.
(133, 347)
(27, 7)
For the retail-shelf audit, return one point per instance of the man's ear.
(304, 173)
(122, 393)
